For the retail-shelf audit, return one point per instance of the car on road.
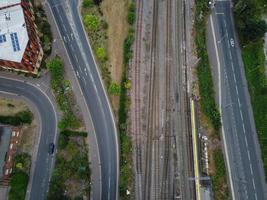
(51, 148)
(232, 42)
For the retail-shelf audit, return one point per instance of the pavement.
(242, 151)
(48, 126)
(80, 55)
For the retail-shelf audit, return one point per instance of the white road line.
(247, 144)
(253, 182)
(250, 166)
(239, 104)
(241, 116)
(243, 126)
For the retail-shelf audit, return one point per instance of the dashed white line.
(250, 166)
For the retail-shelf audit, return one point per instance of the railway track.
(152, 111)
(165, 180)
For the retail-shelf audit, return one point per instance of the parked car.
(51, 148)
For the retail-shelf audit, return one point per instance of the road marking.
(241, 115)
(239, 104)
(246, 143)
(250, 166)
(244, 128)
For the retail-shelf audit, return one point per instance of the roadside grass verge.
(251, 28)
(96, 28)
(63, 95)
(23, 117)
(208, 106)
(219, 181)
(20, 177)
(71, 175)
(206, 89)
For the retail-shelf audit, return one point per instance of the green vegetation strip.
(219, 178)
(23, 117)
(126, 170)
(71, 172)
(19, 177)
(207, 100)
(251, 29)
(96, 28)
(63, 94)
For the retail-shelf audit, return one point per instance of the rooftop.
(13, 32)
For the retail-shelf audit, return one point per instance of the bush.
(127, 51)
(101, 53)
(87, 3)
(91, 22)
(23, 117)
(114, 89)
(131, 14)
(64, 99)
(69, 133)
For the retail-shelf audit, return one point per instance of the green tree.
(91, 22)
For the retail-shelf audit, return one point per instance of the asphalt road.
(240, 137)
(85, 69)
(48, 117)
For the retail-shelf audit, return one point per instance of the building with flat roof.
(20, 47)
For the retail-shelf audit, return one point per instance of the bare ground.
(11, 106)
(115, 13)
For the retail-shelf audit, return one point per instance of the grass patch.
(19, 177)
(219, 178)
(71, 175)
(63, 94)
(23, 117)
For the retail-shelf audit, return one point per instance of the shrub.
(69, 133)
(101, 53)
(91, 22)
(131, 14)
(23, 117)
(127, 51)
(87, 3)
(114, 89)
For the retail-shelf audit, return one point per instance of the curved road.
(48, 128)
(80, 55)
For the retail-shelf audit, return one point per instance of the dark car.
(51, 148)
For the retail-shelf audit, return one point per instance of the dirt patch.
(29, 136)
(115, 12)
(11, 106)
